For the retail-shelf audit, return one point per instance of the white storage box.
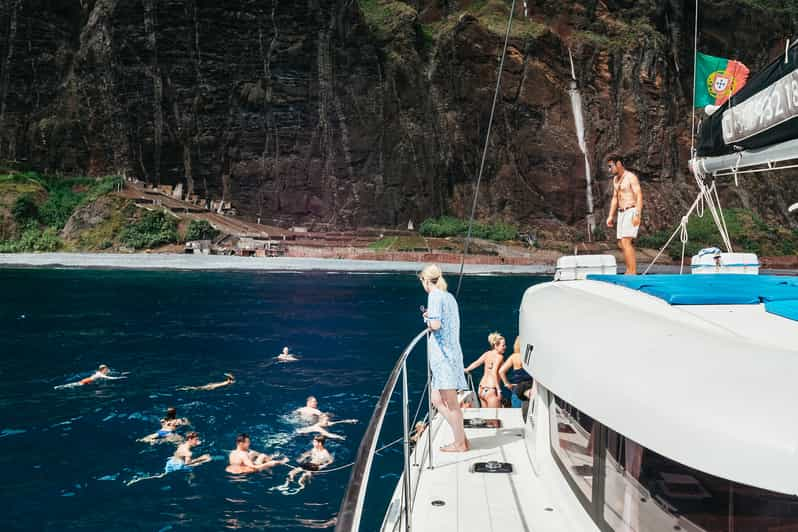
(573, 267)
(712, 260)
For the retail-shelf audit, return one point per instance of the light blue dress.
(443, 346)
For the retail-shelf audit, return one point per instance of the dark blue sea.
(66, 455)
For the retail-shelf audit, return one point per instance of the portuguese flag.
(717, 79)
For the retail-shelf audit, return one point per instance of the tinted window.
(572, 439)
(647, 492)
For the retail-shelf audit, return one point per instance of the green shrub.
(33, 239)
(61, 203)
(25, 210)
(443, 227)
(450, 226)
(747, 231)
(48, 241)
(200, 230)
(151, 230)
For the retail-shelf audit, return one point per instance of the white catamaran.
(661, 402)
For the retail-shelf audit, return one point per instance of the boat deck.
(487, 502)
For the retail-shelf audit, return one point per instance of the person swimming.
(321, 425)
(285, 356)
(103, 372)
(182, 460)
(316, 459)
(244, 460)
(229, 379)
(310, 411)
(168, 430)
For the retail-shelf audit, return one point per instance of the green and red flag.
(717, 79)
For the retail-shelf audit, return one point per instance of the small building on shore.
(258, 247)
(199, 247)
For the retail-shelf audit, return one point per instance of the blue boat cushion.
(786, 309)
(779, 294)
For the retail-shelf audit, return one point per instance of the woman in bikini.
(489, 393)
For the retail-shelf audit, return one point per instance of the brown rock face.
(368, 113)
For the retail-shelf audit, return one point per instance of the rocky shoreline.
(175, 261)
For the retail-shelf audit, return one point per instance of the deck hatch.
(482, 423)
(492, 467)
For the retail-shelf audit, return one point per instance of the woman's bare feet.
(455, 448)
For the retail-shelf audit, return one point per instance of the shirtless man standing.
(310, 410)
(627, 200)
(244, 460)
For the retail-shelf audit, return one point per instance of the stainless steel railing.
(351, 510)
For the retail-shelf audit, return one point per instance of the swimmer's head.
(103, 369)
(312, 402)
(318, 440)
(192, 438)
(285, 350)
(243, 441)
(229, 377)
(171, 413)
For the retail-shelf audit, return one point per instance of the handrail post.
(352, 504)
(406, 434)
(429, 409)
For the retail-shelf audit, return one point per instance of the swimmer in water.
(229, 379)
(310, 411)
(321, 425)
(182, 459)
(285, 356)
(245, 460)
(168, 430)
(315, 459)
(103, 372)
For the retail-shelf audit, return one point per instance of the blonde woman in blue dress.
(442, 317)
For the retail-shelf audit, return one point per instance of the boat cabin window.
(572, 439)
(644, 491)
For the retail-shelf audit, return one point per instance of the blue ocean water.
(66, 455)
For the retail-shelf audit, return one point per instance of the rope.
(350, 464)
(398, 440)
(683, 237)
(485, 149)
(681, 229)
(662, 250)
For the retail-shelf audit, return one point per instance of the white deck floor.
(488, 502)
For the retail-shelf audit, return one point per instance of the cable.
(485, 149)
(398, 440)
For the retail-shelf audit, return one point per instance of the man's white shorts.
(626, 229)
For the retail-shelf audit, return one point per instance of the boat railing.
(350, 513)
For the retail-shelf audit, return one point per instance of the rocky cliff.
(373, 112)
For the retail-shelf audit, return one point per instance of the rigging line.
(377, 451)
(695, 78)
(485, 149)
(678, 230)
(398, 440)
